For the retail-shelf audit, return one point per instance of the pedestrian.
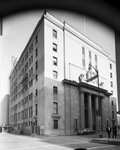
(108, 129)
(114, 131)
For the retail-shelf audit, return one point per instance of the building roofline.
(74, 31)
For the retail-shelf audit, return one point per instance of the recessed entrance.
(93, 111)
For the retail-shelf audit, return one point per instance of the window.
(55, 61)
(54, 47)
(55, 108)
(31, 70)
(31, 111)
(36, 65)
(55, 74)
(112, 103)
(36, 39)
(26, 66)
(96, 62)
(55, 90)
(36, 52)
(83, 51)
(36, 77)
(95, 58)
(54, 33)
(110, 66)
(110, 75)
(90, 54)
(36, 109)
(31, 83)
(112, 114)
(31, 58)
(83, 63)
(55, 123)
(31, 96)
(36, 92)
(111, 84)
(83, 57)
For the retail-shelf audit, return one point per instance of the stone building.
(51, 86)
(4, 111)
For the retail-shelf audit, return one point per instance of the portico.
(91, 106)
(85, 105)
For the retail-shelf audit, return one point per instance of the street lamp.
(91, 79)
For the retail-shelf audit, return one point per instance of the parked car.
(85, 131)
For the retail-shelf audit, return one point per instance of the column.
(90, 121)
(96, 109)
(82, 111)
(102, 114)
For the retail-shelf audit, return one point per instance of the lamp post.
(91, 79)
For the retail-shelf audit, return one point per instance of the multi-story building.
(4, 111)
(51, 91)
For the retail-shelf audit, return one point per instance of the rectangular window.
(112, 114)
(54, 47)
(55, 123)
(55, 74)
(110, 66)
(36, 92)
(54, 33)
(111, 84)
(36, 65)
(55, 90)
(83, 63)
(36, 39)
(55, 108)
(95, 58)
(90, 57)
(36, 52)
(31, 111)
(31, 96)
(112, 103)
(90, 54)
(36, 109)
(55, 61)
(96, 62)
(36, 77)
(83, 51)
(83, 57)
(110, 75)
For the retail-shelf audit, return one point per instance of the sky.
(17, 30)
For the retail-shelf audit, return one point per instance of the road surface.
(19, 142)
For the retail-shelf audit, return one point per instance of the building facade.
(51, 87)
(4, 111)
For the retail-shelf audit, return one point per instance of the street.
(19, 142)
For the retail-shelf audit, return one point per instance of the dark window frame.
(55, 124)
(54, 33)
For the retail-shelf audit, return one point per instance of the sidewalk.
(106, 140)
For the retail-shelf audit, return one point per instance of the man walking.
(114, 131)
(108, 129)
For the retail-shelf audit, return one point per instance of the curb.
(106, 141)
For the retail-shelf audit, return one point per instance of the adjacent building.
(62, 82)
(4, 111)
